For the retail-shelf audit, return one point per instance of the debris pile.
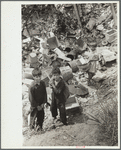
(56, 40)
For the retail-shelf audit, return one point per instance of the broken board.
(72, 103)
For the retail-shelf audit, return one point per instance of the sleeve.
(60, 87)
(31, 97)
(45, 97)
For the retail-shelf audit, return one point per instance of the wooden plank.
(78, 18)
(114, 15)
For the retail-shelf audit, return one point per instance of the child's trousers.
(36, 114)
(62, 110)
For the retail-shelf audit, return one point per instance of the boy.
(37, 98)
(58, 97)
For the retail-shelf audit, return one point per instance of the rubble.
(61, 55)
(27, 40)
(73, 65)
(27, 73)
(105, 43)
(53, 42)
(72, 103)
(91, 24)
(27, 82)
(66, 73)
(72, 54)
(81, 45)
(104, 15)
(111, 36)
(84, 100)
(107, 54)
(99, 76)
(78, 90)
(71, 48)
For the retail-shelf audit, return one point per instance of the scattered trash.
(73, 65)
(100, 27)
(66, 73)
(68, 49)
(27, 81)
(27, 40)
(99, 76)
(84, 100)
(81, 45)
(107, 54)
(105, 43)
(60, 54)
(111, 36)
(72, 55)
(72, 103)
(91, 24)
(53, 42)
(103, 16)
(75, 50)
(81, 90)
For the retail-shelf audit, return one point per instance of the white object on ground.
(29, 120)
(99, 76)
(107, 54)
(82, 60)
(27, 40)
(61, 55)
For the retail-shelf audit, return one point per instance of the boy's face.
(57, 77)
(37, 78)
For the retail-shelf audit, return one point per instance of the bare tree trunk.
(77, 15)
(114, 15)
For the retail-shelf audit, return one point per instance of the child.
(58, 97)
(37, 98)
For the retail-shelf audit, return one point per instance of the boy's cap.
(36, 72)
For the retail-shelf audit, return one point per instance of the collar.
(36, 84)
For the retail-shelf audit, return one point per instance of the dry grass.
(109, 119)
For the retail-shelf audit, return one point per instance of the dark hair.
(56, 70)
(36, 71)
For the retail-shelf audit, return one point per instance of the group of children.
(38, 98)
(38, 94)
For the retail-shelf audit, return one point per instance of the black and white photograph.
(69, 68)
(70, 57)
